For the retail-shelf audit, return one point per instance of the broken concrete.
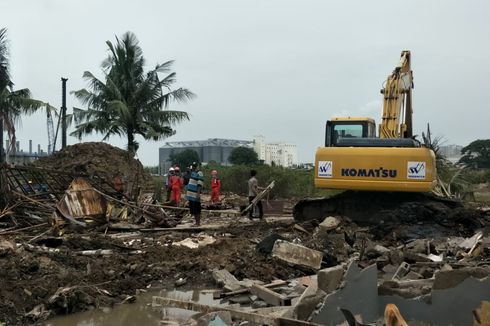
(330, 278)
(359, 295)
(297, 254)
(450, 278)
(329, 223)
(226, 280)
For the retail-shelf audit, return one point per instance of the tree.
(184, 158)
(477, 154)
(243, 155)
(13, 103)
(129, 102)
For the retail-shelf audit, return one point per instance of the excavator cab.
(339, 129)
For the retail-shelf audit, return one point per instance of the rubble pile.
(102, 160)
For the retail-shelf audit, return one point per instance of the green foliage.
(151, 169)
(184, 158)
(243, 155)
(477, 154)
(289, 183)
(129, 102)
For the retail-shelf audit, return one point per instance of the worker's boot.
(198, 220)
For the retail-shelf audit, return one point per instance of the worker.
(168, 187)
(215, 187)
(176, 186)
(194, 189)
(253, 191)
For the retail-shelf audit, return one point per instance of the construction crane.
(51, 135)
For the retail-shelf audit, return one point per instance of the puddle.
(138, 313)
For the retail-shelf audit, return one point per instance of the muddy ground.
(31, 278)
(44, 276)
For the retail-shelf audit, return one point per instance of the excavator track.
(366, 207)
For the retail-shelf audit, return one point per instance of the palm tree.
(13, 103)
(130, 102)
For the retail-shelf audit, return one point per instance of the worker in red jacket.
(176, 186)
(215, 187)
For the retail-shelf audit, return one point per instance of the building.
(16, 155)
(278, 153)
(212, 150)
(451, 152)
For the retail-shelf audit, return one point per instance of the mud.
(65, 282)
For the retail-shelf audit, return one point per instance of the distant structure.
(211, 150)
(20, 157)
(278, 153)
(451, 152)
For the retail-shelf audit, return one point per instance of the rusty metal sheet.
(81, 200)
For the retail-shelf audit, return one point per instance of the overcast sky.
(276, 68)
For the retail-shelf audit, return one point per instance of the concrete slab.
(359, 295)
(297, 254)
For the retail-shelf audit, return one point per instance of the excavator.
(355, 159)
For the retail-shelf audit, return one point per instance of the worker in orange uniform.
(176, 186)
(215, 187)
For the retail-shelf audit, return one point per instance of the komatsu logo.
(369, 173)
(325, 169)
(416, 170)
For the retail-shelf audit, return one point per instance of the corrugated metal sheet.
(81, 200)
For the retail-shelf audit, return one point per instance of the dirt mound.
(101, 160)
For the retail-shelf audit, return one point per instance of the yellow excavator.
(354, 158)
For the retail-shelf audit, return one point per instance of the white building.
(281, 153)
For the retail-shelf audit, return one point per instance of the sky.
(277, 68)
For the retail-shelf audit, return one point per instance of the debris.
(218, 318)
(329, 223)
(359, 295)
(451, 278)
(300, 228)
(235, 314)
(218, 295)
(196, 242)
(436, 258)
(402, 270)
(351, 319)
(181, 281)
(270, 296)
(226, 279)
(330, 278)
(297, 254)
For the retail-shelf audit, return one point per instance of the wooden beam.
(270, 296)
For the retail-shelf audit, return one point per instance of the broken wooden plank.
(218, 295)
(297, 254)
(269, 296)
(235, 314)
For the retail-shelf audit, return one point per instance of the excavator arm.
(397, 105)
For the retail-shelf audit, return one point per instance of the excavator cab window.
(347, 129)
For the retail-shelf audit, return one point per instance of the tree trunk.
(131, 144)
(2, 152)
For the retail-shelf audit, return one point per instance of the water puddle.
(138, 313)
